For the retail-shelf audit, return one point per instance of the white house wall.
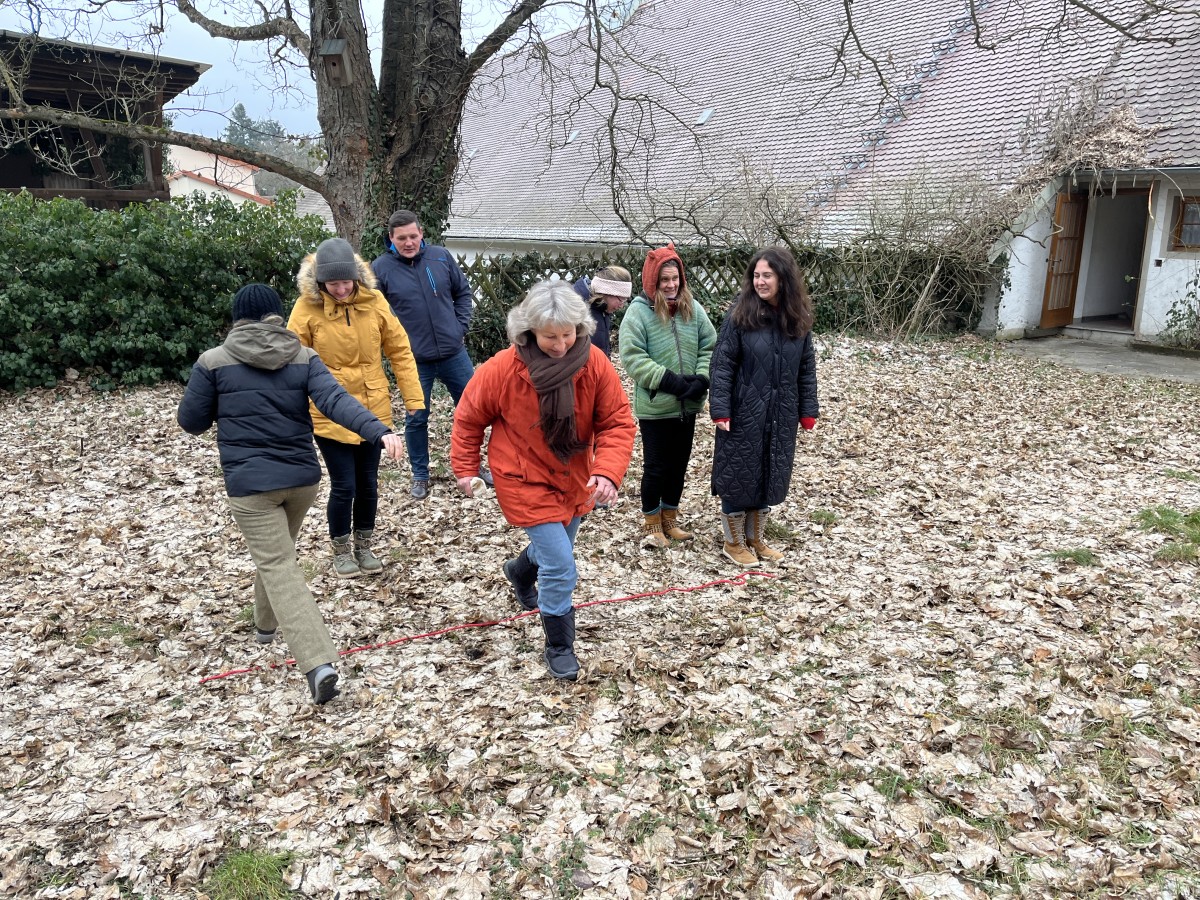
(1166, 273)
(1019, 305)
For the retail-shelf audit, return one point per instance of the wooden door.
(1062, 270)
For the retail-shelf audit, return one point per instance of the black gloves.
(696, 386)
(673, 383)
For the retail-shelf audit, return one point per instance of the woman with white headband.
(606, 292)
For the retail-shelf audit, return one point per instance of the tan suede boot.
(670, 526)
(735, 548)
(652, 532)
(756, 535)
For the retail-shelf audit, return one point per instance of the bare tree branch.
(490, 46)
(277, 27)
(64, 118)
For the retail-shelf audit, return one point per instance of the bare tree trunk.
(423, 84)
(347, 115)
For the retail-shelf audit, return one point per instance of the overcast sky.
(239, 72)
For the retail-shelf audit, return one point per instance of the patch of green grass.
(1181, 475)
(644, 825)
(891, 785)
(568, 863)
(387, 476)
(852, 840)
(778, 530)
(249, 875)
(1081, 556)
(130, 636)
(1171, 522)
(823, 517)
(1177, 552)
(245, 615)
(1137, 835)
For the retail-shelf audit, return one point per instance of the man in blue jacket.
(430, 296)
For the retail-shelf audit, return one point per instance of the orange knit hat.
(653, 265)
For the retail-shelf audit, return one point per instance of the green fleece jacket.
(649, 348)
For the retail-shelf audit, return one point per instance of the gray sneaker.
(322, 683)
(420, 489)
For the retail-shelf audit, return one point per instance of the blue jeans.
(454, 372)
(353, 484)
(552, 550)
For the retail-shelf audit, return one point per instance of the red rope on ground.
(739, 579)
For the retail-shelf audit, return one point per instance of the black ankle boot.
(560, 645)
(522, 575)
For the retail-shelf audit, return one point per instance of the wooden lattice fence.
(857, 288)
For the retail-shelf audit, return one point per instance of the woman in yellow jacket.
(349, 323)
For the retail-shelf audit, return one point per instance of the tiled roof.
(534, 164)
(310, 203)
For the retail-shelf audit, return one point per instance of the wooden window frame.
(1181, 203)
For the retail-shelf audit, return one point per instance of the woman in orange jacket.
(562, 436)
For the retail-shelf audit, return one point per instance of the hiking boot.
(322, 683)
(264, 637)
(486, 475)
(736, 549)
(522, 575)
(344, 563)
(367, 561)
(756, 535)
(560, 646)
(670, 526)
(652, 532)
(420, 489)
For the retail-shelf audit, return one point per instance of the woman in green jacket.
(666, 343)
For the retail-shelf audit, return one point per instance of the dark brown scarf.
(553, 379)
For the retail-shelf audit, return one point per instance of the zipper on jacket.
(347, 315)
(679, 356)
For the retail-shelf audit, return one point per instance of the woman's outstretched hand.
(604, 492)
(393, 445)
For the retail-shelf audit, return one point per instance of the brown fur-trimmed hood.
(306, 279)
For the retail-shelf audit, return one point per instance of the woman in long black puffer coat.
(764, 388)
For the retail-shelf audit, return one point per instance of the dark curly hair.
(794, 312)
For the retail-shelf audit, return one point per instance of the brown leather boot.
(652, 532)
(670, 526)
(756, 535)
(735, 548)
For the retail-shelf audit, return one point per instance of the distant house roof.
(68, 75)
(753, 94)
(310, 203)
(213, 183)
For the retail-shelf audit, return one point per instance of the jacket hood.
(583, 288)
(653, 265)
(263, 346)
(306, 278)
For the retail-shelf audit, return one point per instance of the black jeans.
(666, 449)
(353, 484)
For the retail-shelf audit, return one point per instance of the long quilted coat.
(764, 382)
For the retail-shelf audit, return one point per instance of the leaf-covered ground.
(932, 698)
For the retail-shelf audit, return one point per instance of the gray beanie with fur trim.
(336, 261)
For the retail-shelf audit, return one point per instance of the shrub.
(133, 296)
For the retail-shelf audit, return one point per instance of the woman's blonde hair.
(614, 273)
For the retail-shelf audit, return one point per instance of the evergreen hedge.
(133, 296)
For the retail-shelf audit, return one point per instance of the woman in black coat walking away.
(764, 388)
